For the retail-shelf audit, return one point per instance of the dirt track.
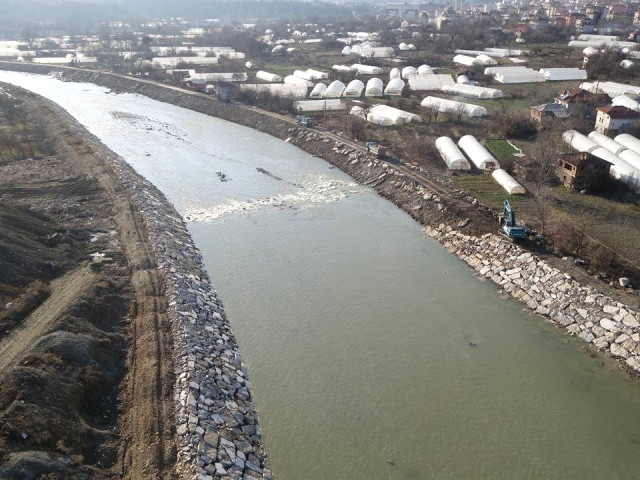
(64, 292)
(93, 360)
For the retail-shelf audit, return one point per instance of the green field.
(488, 192)
(501, 149)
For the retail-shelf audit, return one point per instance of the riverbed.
(373, 353)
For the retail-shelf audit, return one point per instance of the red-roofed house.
(615, 119)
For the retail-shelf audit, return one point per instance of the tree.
(543, 158)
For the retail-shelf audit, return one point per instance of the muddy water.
(357, 329)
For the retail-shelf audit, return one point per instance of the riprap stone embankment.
(217, 426)
(581, 310)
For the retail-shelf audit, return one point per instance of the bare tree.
(543, 160)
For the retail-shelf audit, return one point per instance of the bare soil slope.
(86, 373)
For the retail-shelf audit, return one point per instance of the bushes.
(506, 125)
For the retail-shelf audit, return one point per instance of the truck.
(304, 120)
(375, 149)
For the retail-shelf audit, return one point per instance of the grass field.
(488, 192)
(501, 149)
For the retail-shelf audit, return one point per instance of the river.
(358, 330)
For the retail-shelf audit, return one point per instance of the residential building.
(540, 113)
(582, 171)
(615, 119)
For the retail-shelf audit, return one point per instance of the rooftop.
(618, 111)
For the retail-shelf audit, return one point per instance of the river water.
(355, 327)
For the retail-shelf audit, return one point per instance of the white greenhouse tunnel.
(507, 182)
(354, 89)
(387, 116)
(394, 87)
(579, 141)
(472, 91)
(334, 90)
(445, 105)
(318, 90)
(606, 142)
(629, 141)
(477, 153)
(319, 105)
(409, 72)
(374, 88)
(451, 154)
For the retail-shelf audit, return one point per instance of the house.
(582, 171)
(581, 102)
(615, 119)
(539, 113)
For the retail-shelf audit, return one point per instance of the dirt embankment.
(86, 373)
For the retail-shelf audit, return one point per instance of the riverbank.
(185, 402)
(432, 201)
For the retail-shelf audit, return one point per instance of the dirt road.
(64, 292)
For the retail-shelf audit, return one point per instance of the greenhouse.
(601, 38)
(358, 112)
(346, 50)
(607, 143)
(317, 74)
(372, 52)
(293, 80)
(374, 88)
(600, 43)
(220, 77)
(626, 64)
(409, 72)
(560, 74)
(620, 169)
(334, 90)
(629, 141)
(579, 141)
(631, 157)
(488, 52)
(444, 105)
(589, 51)
(463, 80)
(477, 153)
(451, 154)
(342, 68)
(425, 70)
(394, 87)
(486, 60)
(472, 91)
(386, 116)
(276, 89)
(354, 89)
(430, 82)
(525, 76)
(318, 105)
(507, 182)
(510, 69)
(403, 46)
(394, 73)
(302, 74)
(466, 60)
(503, 51)
(318, 90)
(613, 89)
(366, 69)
